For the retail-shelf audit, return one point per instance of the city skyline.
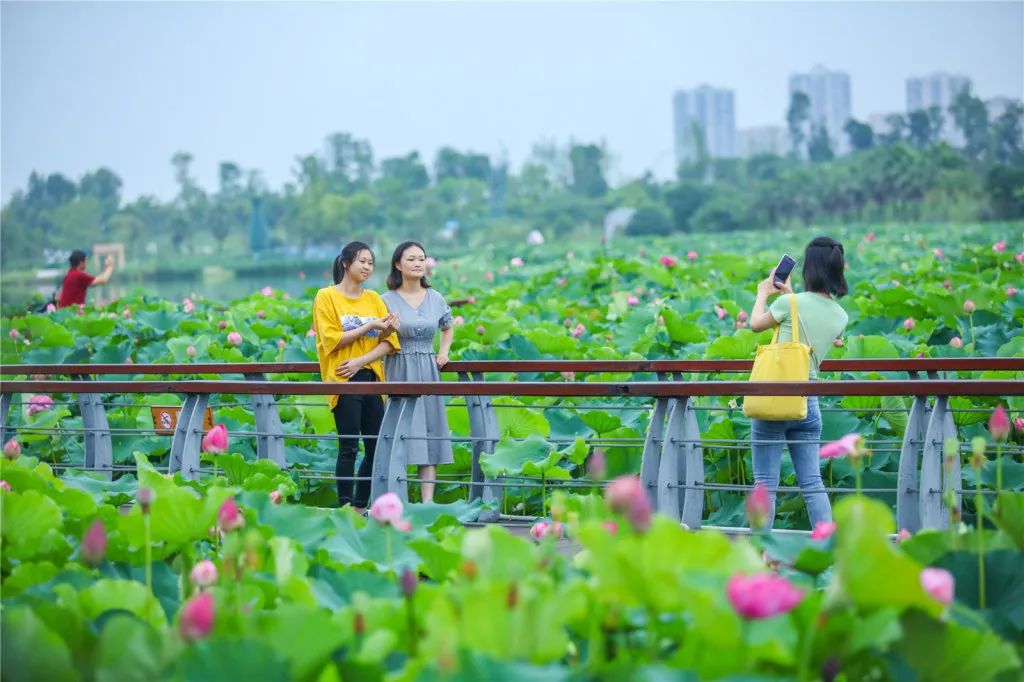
(128, 85)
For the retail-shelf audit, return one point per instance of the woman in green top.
(821, 322)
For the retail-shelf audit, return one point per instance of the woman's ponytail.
(339, 269)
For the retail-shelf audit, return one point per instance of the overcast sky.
(127, 84)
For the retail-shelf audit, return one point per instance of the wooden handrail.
(645, 389)
(518, 366)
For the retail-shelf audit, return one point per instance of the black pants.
(354, 415)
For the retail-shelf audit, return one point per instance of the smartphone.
(783, 270)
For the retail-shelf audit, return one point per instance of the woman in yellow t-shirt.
(353, 332)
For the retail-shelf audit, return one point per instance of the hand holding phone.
(783, 271)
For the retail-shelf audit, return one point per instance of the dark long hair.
(825, 266)
(345, 258)
(395, 276)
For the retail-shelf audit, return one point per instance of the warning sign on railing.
(165, 418)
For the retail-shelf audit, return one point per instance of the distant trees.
(905, 172)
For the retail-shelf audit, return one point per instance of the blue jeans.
(767, 459)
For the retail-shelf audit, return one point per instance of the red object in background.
(72, 292)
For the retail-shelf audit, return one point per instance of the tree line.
(905, 173)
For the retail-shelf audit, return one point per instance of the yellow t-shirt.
(333, 314)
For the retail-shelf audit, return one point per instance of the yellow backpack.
(789, 361)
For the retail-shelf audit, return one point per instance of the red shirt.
(72, 292)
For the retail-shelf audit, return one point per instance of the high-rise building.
(705, 111)
(938, 90)
(829, 95)
(761, 140)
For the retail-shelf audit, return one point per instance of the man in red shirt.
(72, 292)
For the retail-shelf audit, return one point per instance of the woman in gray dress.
(422, 312)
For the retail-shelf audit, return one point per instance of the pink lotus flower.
(611, 527)
(5, 487)
(895, 283)
(431, 261)
(569, 376)
(838, 343)
(458, 321)
(387, 509)
(216, 440)
(567, 322)
(203, 574)
(969, 306)
(539, 530)
(50, 308)
(234, 338)
(823, 530)
(764, 595)
(94, 543)
(276, 497)
(480, 329)
(190, 351)
(1019, 424)
(14, 334)
(938, 253)
(27, 342)
(956, 342)
(692, 255)
(947, 284)
(999, 246)
(632, 300)
(127, 314)
(847, 445)
(471, 300)
(626, 495)
(939, 584)
(668, 261)
(311, 332)
(579, 330)
(909, 324)
(188, 306)
(489, 276)
(302, 275)
(517, 262)
(570, 255)
(759, 507)
(196, 617)
(261, 314)
(1011, 292)
(145, 497)
(720, 311)
(80, 310)
(409, 582)
(128, 360)
(267, 291)
(229, 517)
(561, 281)
(903, 535)
(282, 344)
(742, 316)
(1020, 257)
(222, 325)
(12, 449)
(871, 238)
(39, 403)
(999, 424)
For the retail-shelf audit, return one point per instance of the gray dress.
(416, 361)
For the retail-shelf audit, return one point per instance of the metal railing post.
(693, 469)
(270, 441)
(5, 417)
(99, 452)
(934, 478)
(650, 460)
(188, 436)
(672, 464)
